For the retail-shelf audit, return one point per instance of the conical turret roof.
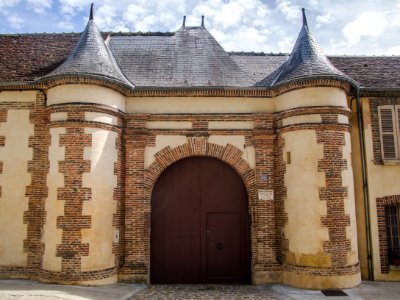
(91, 58)
(306, 60)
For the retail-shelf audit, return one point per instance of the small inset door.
(199, 224)
(223, 247)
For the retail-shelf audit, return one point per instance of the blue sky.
(352, 27)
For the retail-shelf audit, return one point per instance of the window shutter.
(387, 122)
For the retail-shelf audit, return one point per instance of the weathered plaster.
(102, 181)
(52, 236)
(85, 93)
(13, 181)
(302, 180)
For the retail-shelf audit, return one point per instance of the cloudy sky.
(352, 27)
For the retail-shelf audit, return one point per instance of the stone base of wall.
(94, 282)
(135, 278)
(266, 277)
(319, 282)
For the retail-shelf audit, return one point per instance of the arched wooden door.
(199, 224)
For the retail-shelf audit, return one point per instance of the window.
(392, 213)
(389, 124)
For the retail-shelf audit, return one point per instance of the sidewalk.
(27, 289)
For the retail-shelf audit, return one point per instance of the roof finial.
(91, 12)
(184, 21)
(202, 21)
(304, 17)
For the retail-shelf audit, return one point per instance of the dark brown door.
(199, 224)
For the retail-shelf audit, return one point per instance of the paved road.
(32, 290)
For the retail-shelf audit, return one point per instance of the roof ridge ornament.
(202, 21)
(91, 12)
(304, 17)
(184, 22)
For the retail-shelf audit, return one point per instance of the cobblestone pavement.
(167, 292)
(33, 290)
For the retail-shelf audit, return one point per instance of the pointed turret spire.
(303, 10)
(305, 61)
(184, 21)
(91, 11)
(202, 21)
(91, 57)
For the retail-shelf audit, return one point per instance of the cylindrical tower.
(314, 181)
(319, 236)
(85, 109)
(82, 227)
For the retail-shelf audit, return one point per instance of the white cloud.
(39, 6)
(71, 7)
(286, 45)
(66, 26)
(367, 24)
(15, 21)
(8, 3)
(324, 19)
(289, 10)
(394, 50)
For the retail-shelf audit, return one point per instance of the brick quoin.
(381, 204)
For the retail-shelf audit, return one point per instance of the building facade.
(161, 158)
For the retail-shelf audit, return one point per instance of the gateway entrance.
(199, 224)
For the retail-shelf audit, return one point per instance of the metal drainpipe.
(365, 183)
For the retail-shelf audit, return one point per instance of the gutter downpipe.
(365, 183)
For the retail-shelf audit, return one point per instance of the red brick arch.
(229, 154)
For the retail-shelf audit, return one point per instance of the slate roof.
(305, 61)
(189, 58)
(27, 57)
(90, 57)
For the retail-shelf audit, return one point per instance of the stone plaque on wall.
(265, 194)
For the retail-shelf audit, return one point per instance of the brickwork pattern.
(381, 204)
(331, 135)
(73, 193)
(140, 181)
(71, 250)
(334, 194)
(264, 245)
(37, 191)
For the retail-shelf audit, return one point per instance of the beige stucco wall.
(20, 96)
(52, 236)
(302, 205)
(249, 153)
(172, 141)
(358, 193)
(85, 93)
(102, 181)
(383, 180)
(349, 202)
(13, 181)
(162, 141)
(203, 105)
(315, 96)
